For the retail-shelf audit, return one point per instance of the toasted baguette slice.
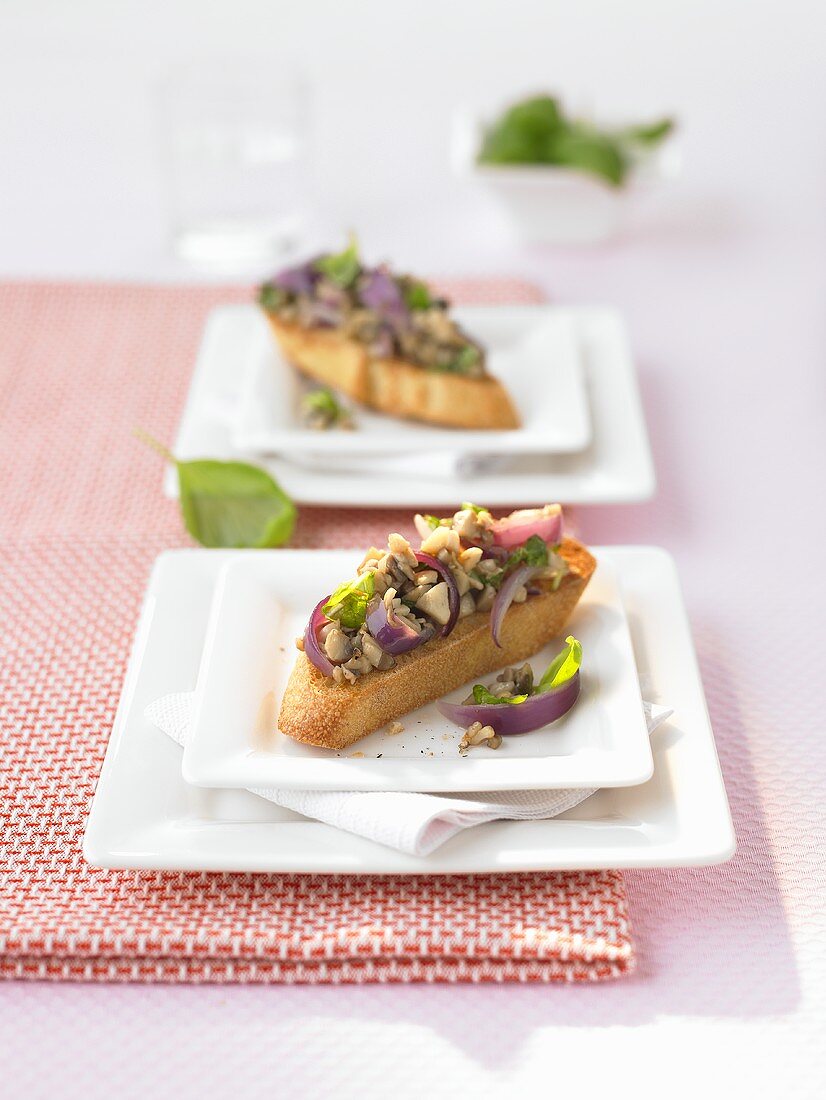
(320, 712)
(395, 386)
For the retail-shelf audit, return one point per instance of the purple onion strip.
(507, 718)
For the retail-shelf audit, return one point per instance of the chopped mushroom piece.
(375, 654)
(435, 603)
(467, 605)
(484, 601)
(442, 538)
(477, 734)
(338, 646)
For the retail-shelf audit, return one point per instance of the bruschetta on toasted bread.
(413, 625)
(385, 341)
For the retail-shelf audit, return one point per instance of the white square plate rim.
(219, 754)
(258, 430)
(143, 815)
(617, 466)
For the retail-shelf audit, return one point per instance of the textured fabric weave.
(82, 519)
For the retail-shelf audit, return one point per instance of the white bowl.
(550, 205)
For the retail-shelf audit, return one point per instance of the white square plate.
(145, 816)
(532, 350)
(615, 467)
(262, 604)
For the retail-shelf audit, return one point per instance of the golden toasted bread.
(395, 386)
(320, 712)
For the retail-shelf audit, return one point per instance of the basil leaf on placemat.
(233, 504)
(230, 504)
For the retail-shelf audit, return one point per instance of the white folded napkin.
(432, 464)
(414, 823)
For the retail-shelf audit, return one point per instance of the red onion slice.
(506, 718)
(504, 597)
(393, 634)
(312, 646)
(515, 529)
(452, 589)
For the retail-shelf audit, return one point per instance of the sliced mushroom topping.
(484, 601)
(465, 525)
(477, 734)
(470, 558)
(523, 680)
(504, 690)
(375, 654)
(442, 538)
(402, 551)
(372, 650)
(426, 576)
(487, 566)
(435, 603)
(462, 581)
(359, 664)
(467, 605)
(413, 594)
(380, 583)
(371, 560)
(422, 526)
(418, 596)
(337, 645)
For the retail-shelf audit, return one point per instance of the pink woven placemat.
(83, 518)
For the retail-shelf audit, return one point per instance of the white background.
(82, 191)
(723, 285)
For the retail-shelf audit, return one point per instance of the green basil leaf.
(563, 667)
(271, 297)
(232, 504)
(342, 267)
(590, 151)
(348, 604)
(649, 134)
(417, 295)
(482, 695)
(493, 579)
(461, 363)
(534, 552)
(229, 504)
(536, 131)
(323, 401)
(524, 133)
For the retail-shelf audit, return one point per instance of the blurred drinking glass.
(236, 149)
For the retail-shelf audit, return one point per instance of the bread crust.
(318, 711)
(395, 386)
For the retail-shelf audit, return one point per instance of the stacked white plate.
(222, 624)
(569, 371)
